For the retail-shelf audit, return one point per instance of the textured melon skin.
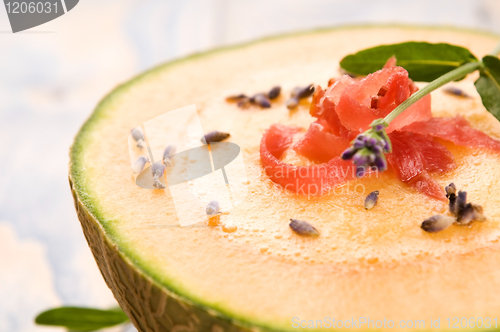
(149, 306)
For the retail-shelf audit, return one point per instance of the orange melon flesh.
(377, 263)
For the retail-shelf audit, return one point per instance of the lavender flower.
(463, 213)
(138, 137)
(302, 227)
(213, 208)
(437, 223)
(368, 149)
(168, 153)
(371, 200)
(157, 170)
(139, 164)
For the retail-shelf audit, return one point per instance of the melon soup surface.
(377, 263)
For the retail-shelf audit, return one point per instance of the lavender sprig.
(369, 148)
(365, 149)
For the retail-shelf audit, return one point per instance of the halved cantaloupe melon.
(377, 264)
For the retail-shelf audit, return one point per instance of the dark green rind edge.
(76, 167)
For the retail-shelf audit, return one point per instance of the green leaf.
(81, 319)
(488, 85)
(424, 61)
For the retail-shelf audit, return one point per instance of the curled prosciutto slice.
(324, 103)
(308, 180)
(346, 108)
(456, 130)
(376, 96)
(414, 156)
(320, 145)
(420, 111)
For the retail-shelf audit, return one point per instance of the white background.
(53, 75)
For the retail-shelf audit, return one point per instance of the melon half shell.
(252, 272)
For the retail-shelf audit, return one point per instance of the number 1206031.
(471, 322)
(24, 7)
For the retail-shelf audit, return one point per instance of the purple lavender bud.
(360, 158)
(387, 145)
(292, 103)
(157, 170)
(213, 208)
(261, 100)
(465, 215)
(295, 91)
(450, 189)
(456, 91)
(377, 149)
(137, 134)
(437, 223)
(274, 92)
(371, 200)
(214, 136)
(359, 143)
(461, 200)
(380, 163)
(371, 141)
(302, 227)
(168, 153)
(452, 204)
(348, 153)
(139, 164)
(244, 102)
(304, 92)
(478, 213)
(451, 194)
(368, 150)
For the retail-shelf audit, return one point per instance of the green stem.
(448, 77)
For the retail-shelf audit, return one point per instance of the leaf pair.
(488, 85)
(427, 62)
(424, 61)
(81, 319)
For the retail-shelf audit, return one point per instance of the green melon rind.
(124, 269)
(149, 306)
